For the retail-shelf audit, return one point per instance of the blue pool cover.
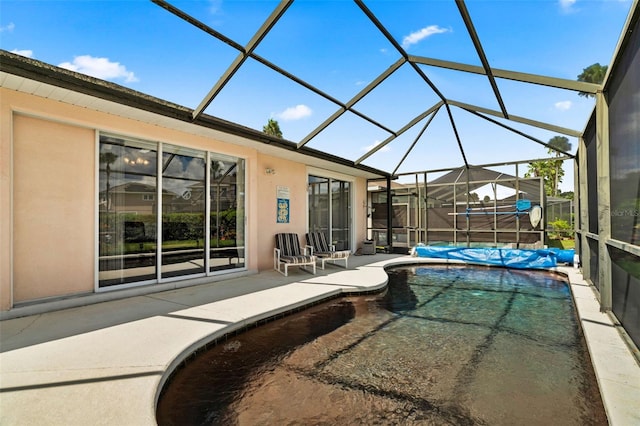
(509, 258)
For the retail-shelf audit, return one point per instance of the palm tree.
(551, 170)
(561, 143)
(108, 158)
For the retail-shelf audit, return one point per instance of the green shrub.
(560, 228)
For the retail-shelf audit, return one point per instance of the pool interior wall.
(492, 361)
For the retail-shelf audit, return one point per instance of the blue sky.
(333, 46)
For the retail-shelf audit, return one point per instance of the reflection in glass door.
(226, 217)
(127, 211)
(341, 214)
(153, 204)
(183, 211)
(330, 210)
(319, 205)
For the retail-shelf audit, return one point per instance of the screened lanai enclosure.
(444, 136)
(484, 198)
(475, 207)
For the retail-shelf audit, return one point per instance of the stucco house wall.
(48, 194)
(53, 213)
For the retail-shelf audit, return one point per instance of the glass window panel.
(341, 214)
(127, 211)
(183, 211)
(330, 210)
(379, 210)
(227, 192)
(319, 205)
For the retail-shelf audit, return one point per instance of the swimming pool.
(443, 345)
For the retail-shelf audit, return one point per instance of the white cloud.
(567, 5)
(294, 113)
(9, 27)
(27, 53)
(376, 143)
(563, 105)
(420, 35)
(100, 68)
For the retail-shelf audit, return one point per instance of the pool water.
(454, 345)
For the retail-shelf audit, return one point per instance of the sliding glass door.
(226, 217)
(341, 214)
(183, 211)
(154, 201)
(319, 219)
(330, 210)
(128, 208)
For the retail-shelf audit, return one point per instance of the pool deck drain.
(104, 363)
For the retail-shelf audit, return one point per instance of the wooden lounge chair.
(325, 252)
(288, 253)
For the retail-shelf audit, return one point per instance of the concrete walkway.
(105, 363)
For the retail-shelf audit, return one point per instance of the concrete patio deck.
(105, 363)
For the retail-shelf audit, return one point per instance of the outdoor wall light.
(269, 171)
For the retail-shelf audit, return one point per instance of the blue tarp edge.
(509, 258)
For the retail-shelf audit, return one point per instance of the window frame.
(208, 156)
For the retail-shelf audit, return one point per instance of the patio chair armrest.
(308, 250)
(276, 253)
(332, 247)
